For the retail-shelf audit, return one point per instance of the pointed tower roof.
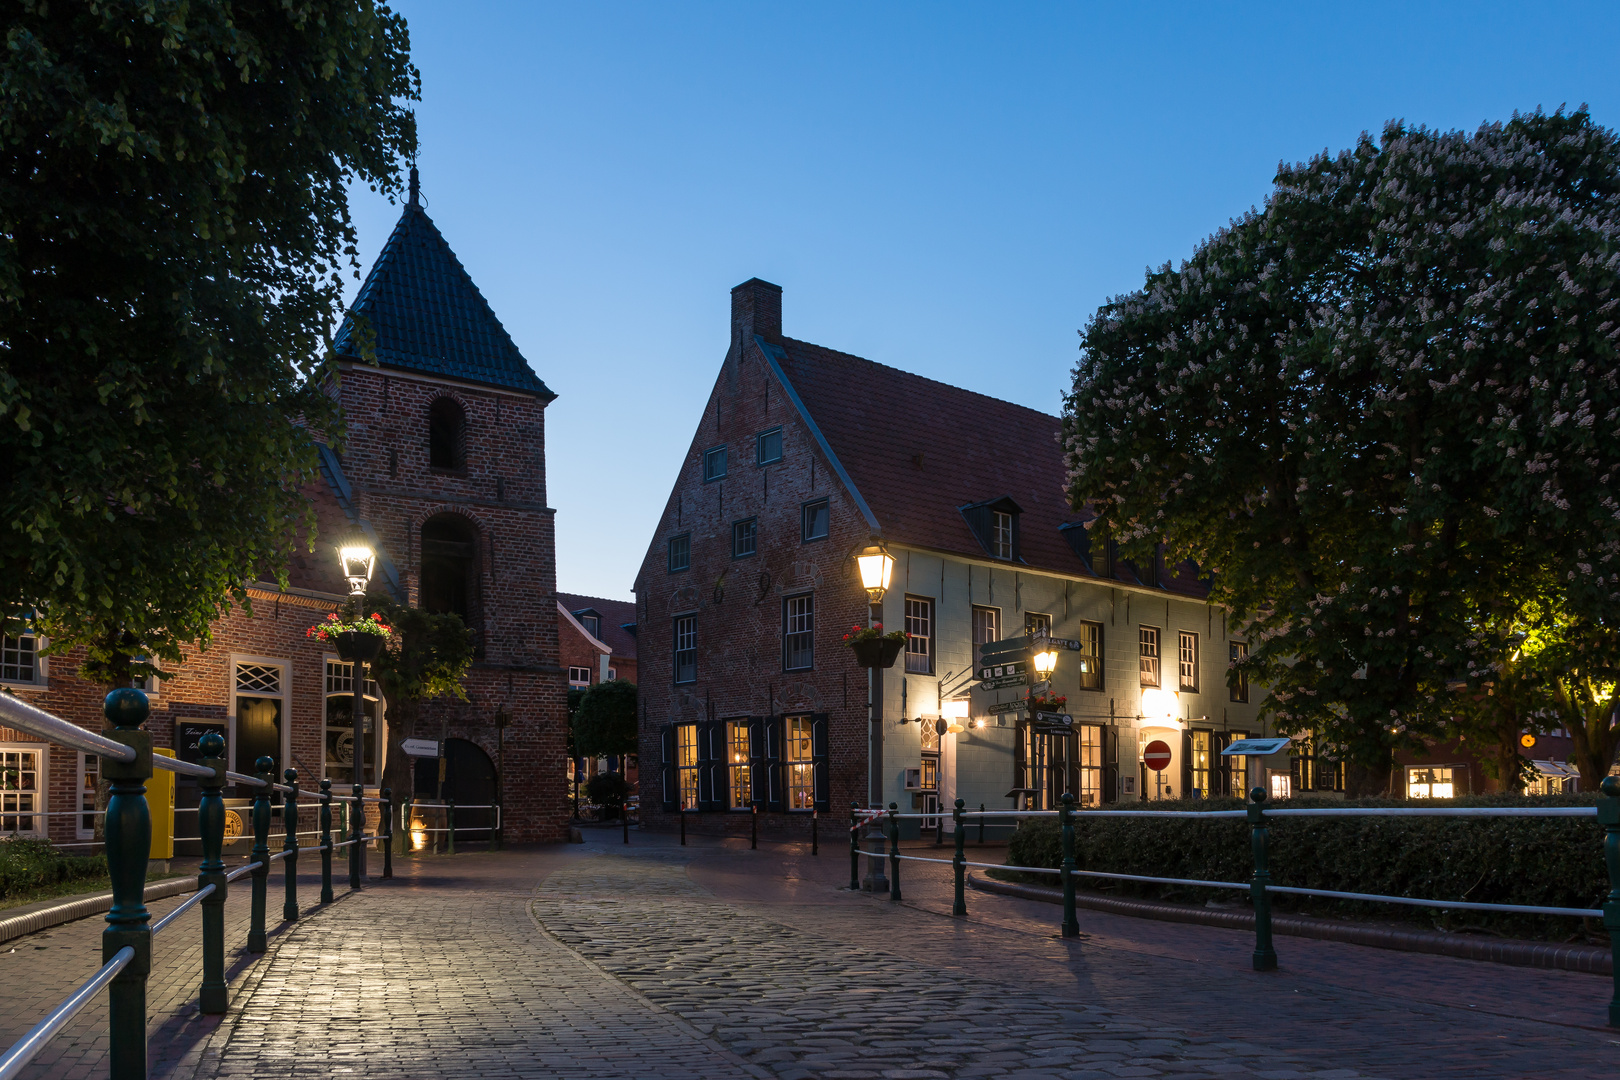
(427, 314)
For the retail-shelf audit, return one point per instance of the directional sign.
(1255, 747)
(420, 747)
(1061, 718)
(1004, 682)
(996, 671)
(1069, 643)
(1157, 756)
(1008, 706)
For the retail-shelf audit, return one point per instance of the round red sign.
(1156, 756)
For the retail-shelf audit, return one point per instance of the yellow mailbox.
(160, 799)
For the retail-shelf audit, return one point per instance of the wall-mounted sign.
(1256, 747)
(421, 747)
(1004, 682)
(188, 731)
(1001, 671)
(1007, 706)
(1527, 740)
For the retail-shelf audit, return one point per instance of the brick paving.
(601, 960)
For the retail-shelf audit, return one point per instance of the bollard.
(1265, 957)
(1071, 926)
(981, 824)
(894, 852)
(959, 862)
(682, 815)
(624, 816)
(289, 863)
(261, 852)
(357, 832)
(1609, 817)
(128, 836)
(815, 839)
(408, 841)
(450, 826)
(854, 848)
(326, 841)
(212, 994)
(753, 829)
(388, 841)
(939, 830)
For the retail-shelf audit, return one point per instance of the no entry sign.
(1156, 756)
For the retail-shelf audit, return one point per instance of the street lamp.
(954, 711)
(875, 567)
(358, 557)
(1045, 663)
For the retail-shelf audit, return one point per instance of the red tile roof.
(615, 614)
(917, 450)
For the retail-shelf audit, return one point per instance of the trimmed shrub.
(610, 790)
(1546, 862)
(28, 864)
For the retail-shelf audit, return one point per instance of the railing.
(449, 831)
(127, 762)
(1259, 887)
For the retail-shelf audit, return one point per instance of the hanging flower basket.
(358, 639)
(872, 647)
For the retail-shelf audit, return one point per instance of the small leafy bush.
(28, 865)
(1545, 862)
(610, 790)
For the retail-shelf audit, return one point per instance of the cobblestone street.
(712, 960)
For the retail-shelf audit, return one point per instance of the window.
(817, 517)
(1089, 739)
(89, 779)
(1198, 762)
(1001, 534)
(680, 553)
(1312, 772)
(798, 760)
(1432, 783)
(1037, 624)
(798, 632)
(1237, 768)
(986, 628)
(20, 809)
(744, 538)
(686, 764)
(450, 573)
(259, 711)
(591, 623)
(19, 659)
(340, 724)
(1187, 650)
(1091, 674)
(742, 778)
(928, 775)
(714, 464)
(612, 674)
(151, 684)
(686, 649)
(1238, 690)
(768, 447)
(1149, 638)
(578, 677)
(447, 434)
(919, 635)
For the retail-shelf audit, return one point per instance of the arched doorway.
(469, 780)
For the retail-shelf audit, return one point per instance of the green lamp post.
(358, 557)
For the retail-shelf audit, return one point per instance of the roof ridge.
(588, 596)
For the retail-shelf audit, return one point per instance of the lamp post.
(1043, 658)
(358, 558)
(876, 567)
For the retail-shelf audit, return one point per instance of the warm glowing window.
(686, 764)
(797, 759)
(1438, 782)
(742, 781)
(1200, 763)
(1237, 653)
(1148, 637)
(1090, 659)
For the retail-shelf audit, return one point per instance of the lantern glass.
(954, 709)
(876, 567)
(358, 559)
(1046, 662)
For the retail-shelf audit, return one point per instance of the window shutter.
(775, 795)
(1186, 763)
(756, 759)
(1110, 764)
(705, 764)
(720, 754)
(667, 767)
(818, 756)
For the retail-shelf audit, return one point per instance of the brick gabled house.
(802, 455)
(444, 468)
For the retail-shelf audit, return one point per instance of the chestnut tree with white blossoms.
(1372, 412)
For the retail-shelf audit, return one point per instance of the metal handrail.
(24, 1050)
(185, 768)
(195, 899)
(242, 870)
(25, 717)
(240, 778)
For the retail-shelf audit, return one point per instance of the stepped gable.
(429, 317)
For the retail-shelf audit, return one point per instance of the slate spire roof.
(427, 314)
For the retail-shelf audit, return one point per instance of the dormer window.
(1001, 534)
(590, 620)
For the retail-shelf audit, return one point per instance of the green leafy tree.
(427, 657)
(605, 722)
(174, 222)
(1369, 409)
(610, 791)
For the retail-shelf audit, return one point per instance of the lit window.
(1148, 637)
(1200, 764)
(19, 791)
(817, 519)
(686, 649)
(744, 538)
(89, 779)
(1037, 624)
(1001, 534)
(1239, 690)
(686, 764)
(742, 780)
(1089, 737)
(714, 464)
(919, 635)
(1431, 783)
(801, 770)
(680, 553)
(798, 632)
(768, 447)
(579, 677)
(1188, 656)
(1091, 676)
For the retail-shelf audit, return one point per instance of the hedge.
(1546, 862)
(28, 865)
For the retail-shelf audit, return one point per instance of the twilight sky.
(948, 188)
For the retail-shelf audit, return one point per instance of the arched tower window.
(449, 580)
(447, 434)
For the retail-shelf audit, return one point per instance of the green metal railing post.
(408, 841)
(1265, 957)
(815, 832)
(212, 995)
(1071, 925)
(753, 830)
(388, 841)
(357, 829)
(894, 852)
(450, 825)
(261, 853)
(289, 862)
(1609, 817)
(681, 813)
(854, 849)
(128, 837)
(326, 841)
(981, 824)
(959, 862)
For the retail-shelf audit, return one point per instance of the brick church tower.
(445, 466)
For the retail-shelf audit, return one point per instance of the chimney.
(756, 308)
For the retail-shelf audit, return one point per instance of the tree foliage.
(174, 223)
(605, 722)
(1371, 410)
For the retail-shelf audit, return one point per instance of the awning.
(1555, 770)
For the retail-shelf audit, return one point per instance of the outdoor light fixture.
(954, 711)
(876, 567)
(358, 558)
(1161, 709)
(978, 722)
(1045, 662)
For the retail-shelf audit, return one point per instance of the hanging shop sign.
(1018, 705)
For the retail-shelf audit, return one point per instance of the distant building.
(598, 644)
(802, 455)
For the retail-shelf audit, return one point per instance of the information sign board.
(1256, 747)
(421, 747)
(1008, 706)
(1004, 682)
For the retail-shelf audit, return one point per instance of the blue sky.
(948, 188)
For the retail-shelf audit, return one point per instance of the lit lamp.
(358, 558)
(1161, 709)
(954, 711)
(876, 567)
(1045, 663)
